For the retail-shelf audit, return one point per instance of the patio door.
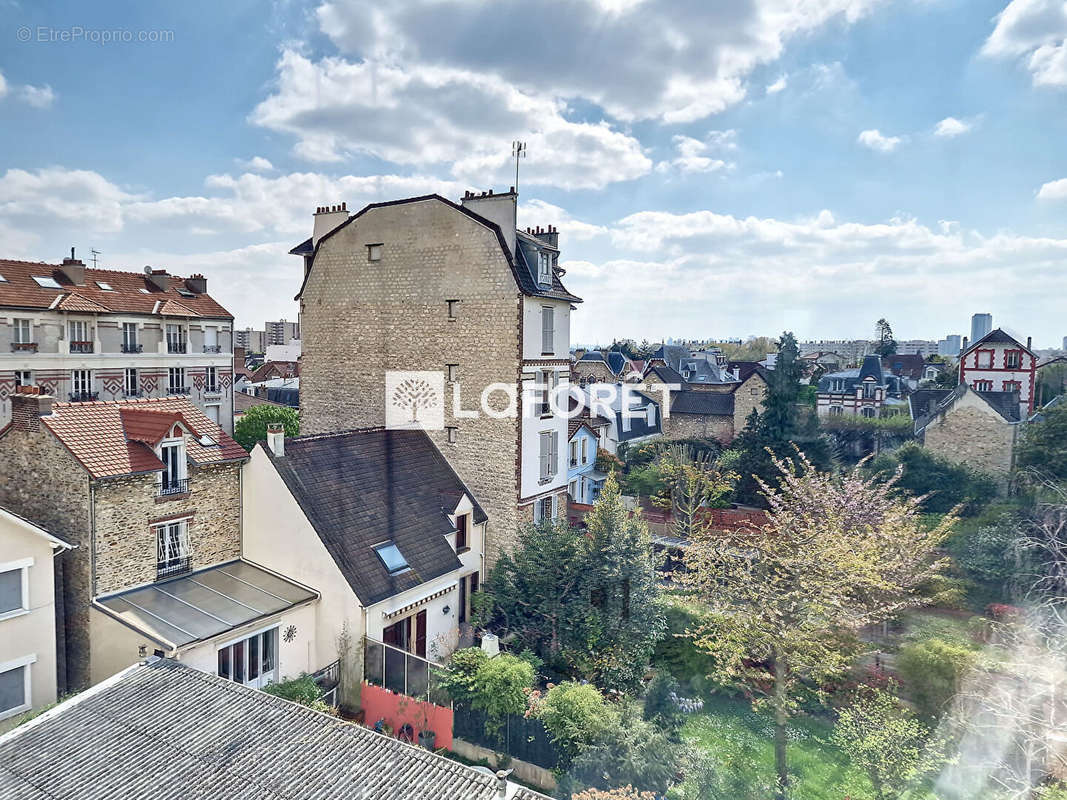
(252, 661)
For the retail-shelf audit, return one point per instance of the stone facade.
(699, 426)
(127, 508)
(749, 395)
(592, 372)
(361, 318)
(975, 436)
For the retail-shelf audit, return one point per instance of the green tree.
(694, 485)
(575, 715)
(459, 679)
(940, 483)
(838, 553)
(252, 427)
(932, 670)
(887, 741)
(1044, 444)
(886, 344)
(501, 687)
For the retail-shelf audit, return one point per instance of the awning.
(206, 603)
(596, 476)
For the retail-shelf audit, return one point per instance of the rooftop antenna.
(95, 253)
(518, 149)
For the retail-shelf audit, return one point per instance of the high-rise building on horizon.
(981, 325)
(950, 345)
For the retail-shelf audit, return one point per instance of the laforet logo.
(414, 399)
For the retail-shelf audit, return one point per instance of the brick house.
(713, 410)
(973, 427)
(149, 491)
(425, 284)
(595, 366)
(84, 334)
(999, 363)
(397, 560)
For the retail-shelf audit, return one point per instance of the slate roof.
(242, 401)
(1006, 404)
(96, 436)
(872, 368)
(746, 369)
(19, 290)
(204, 604)
(667, 374)
(909, 365)
(702, 401)
(362, 488)
(995, 336)
(923, 401)
(521, 271)
(163, 730)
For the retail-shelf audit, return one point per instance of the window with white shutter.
(547, 329)
(545, 453)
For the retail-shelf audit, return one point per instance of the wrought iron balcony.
(172, 567)
(212, 348)
(132, 393)
(177, 390)
(24, 347)
(171, 486)
(132, 348)
(83, 397)
(177, 347)
(81, 347)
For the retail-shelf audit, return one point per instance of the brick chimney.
(157, 277)
(326, 219)
(499, 208)
(197, 284)
(28, 405)
(74, 269)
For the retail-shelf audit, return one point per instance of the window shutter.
(544, 455)
(547, 324)
(553, 459)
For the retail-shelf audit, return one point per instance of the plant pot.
(427, 739)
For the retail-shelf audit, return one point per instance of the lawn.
(742, 739)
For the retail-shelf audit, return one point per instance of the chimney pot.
(511, 189)
(276, 438)
(1029, 342)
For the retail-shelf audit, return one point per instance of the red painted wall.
(396, 709)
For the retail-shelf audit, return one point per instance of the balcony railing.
(328, 679)
(177, 390)
(83, 397)
(81, 347)
(212, 348)
(402, 672)
(132, 348)
(132, 393)
(24, 347)
(172, 567)
(177, 347)
(173, 486)
(212, 390)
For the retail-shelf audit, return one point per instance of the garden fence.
(519, 737)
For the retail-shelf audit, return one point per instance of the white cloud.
(694, 155)
(950, 127)
(416, 115)
(538, 212)
(1053, 190)
(3, 85)
(874, 140)
(50, 194)
(254, 164)
(778, 85)
(37, 96)
(1037, 31)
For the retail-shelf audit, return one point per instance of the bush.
(947, 483)
(659, 706)
(459, 680)
(252, 427)
(677, 653)
(574, 714)
(501, 686)
(932, 669)
(302, 690)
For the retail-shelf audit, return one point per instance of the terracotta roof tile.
(174, 309)
(95, 434)
(76, 302)
(131, 292)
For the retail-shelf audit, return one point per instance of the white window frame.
(183, 466)
(585, 449)
(128, 389)
(180, 337)
(171, 371)
(548, 332)
(868, 412)
(211, 380)
(161, 530)
(24, 663)
(574, 453)
(544, 266)
(539, 509)
(548, 455)
(129, 334)
(23, 333)
(452, 372)
(23, 377)
(22, 566)
(82, 327)
(374, 252)
(276, 628)
(87, 384)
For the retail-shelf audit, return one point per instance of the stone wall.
(592, 372)
(361, 318)
(40, 480)
(127, 507)
(979, 438)
(699, 426)
(749, 395)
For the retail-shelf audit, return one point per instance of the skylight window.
(185, 293)
(46, 283)
(3, 279)
(105, 286)
(390, 555)
(144, 291)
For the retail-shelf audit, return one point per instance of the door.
(251, 661)
(463, 599)
(420, 634)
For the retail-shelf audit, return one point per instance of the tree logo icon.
(414, 400)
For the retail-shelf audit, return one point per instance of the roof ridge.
(348, 431)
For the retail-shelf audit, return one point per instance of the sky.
(717, 168)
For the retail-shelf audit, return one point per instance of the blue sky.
(725, 168)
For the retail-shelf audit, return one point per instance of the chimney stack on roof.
(1029, 342)
(326, 219)
(197, 284)
(498, 208)
(157, 277)
(276, 438)
(28, 405)
(74, 269)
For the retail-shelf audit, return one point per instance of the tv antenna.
(95, 253)
(518, 149)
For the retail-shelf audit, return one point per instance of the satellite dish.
(147, 270)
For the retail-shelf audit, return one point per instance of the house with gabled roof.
(998, 362)
(159, 729)
(584, 480)
(870, 391)
(381, 524)
(82, 333)
(149, 491)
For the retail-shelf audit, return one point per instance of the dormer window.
(174, 478)
(544, 267)
(463, 524)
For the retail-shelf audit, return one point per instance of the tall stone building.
(425, 284)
